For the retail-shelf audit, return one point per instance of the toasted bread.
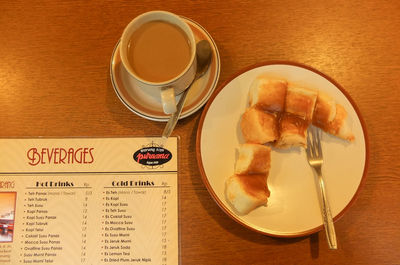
(292, 131)
(300, 101)
(253, 159)
(268, 94)
(246, 192)
(325, 110)
(259, 126)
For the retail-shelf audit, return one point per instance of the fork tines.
(314, 142)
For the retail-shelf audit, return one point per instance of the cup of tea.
(158, 50)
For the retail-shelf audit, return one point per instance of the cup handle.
(168, 100)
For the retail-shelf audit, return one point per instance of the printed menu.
(89, 201)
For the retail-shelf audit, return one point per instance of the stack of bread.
(247, 189)
(279, 114)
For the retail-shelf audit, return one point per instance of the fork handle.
(326, 213)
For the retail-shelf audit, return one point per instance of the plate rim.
(204, 176)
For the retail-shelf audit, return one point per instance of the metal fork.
(315, 159)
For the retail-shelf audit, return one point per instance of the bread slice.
(259, 126)
(253, 159)
(292, 131)
(325, 110)
(268, 94)
(300, 101)
(340, 125)
(246, 192)
(332, 117)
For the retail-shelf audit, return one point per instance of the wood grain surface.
(54, 81)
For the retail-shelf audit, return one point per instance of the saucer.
(147, 104)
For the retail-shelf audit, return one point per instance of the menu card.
(89, 201)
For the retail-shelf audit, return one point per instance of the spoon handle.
(175, 116)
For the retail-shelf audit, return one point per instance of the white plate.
(147, 104)
(293, 208)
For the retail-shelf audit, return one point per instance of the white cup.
(177, 84)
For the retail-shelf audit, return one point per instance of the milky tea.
(158, 51)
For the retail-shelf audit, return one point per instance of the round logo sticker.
(152, 156)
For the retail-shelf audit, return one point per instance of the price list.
(126, 235)
(46, 218)
(100, 215)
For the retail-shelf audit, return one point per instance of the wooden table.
(54, 81)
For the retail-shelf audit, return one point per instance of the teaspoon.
(203, 56)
